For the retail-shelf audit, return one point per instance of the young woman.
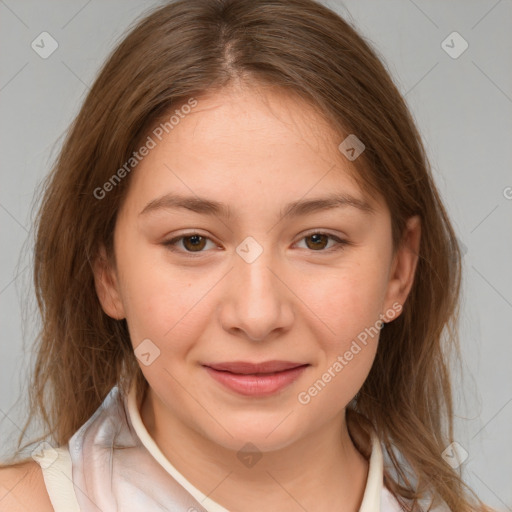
(248, 282)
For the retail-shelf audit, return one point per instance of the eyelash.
(171, 244)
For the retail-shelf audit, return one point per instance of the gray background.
(463, 107)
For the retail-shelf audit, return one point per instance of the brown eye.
(323, 242)
(188, 244)
(194, 243)
(318, 241)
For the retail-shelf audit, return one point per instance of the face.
(244, 238)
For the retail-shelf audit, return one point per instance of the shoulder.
(22, 488)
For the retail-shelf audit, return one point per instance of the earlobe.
(107, 287)
(404, 264)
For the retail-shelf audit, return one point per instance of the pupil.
(194, 242)
(317, 239)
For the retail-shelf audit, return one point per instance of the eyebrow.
(294, 209)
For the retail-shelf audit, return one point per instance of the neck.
(323, 469)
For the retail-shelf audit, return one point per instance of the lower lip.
(257, 385)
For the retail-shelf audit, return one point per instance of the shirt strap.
(372, 494)
(57, 473)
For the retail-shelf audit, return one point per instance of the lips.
(246, 368)
(256, 379)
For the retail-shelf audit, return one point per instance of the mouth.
(256, 379)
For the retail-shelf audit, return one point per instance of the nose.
(257, 303)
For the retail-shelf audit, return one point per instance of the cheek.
(164, 304)
(348, 300)
(350, 307)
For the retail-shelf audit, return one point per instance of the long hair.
(188, 48)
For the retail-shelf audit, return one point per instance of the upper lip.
(244, 367)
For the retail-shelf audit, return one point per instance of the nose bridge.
(259, 290)
(257, 303)
(257, 280)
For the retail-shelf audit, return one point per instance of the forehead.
(241, 145)
(257, 121)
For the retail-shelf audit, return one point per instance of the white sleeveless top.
(112, 464)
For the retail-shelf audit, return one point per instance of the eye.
(193, 242)
(317, 241)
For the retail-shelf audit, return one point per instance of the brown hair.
(186, 49)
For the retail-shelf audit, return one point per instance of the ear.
(403, 267)
(107, 286)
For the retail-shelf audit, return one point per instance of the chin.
(267, 434)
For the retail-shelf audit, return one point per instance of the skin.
(23, 488)
(255, 150)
